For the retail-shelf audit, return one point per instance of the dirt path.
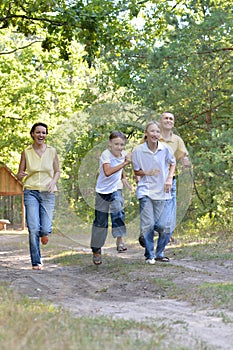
(87, 290)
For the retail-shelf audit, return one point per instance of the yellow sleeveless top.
(39, 169)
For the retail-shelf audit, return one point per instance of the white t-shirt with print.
(109, 184)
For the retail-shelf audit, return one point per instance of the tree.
(57, 24)
(161, 55)
(37, 85)
(190, 74)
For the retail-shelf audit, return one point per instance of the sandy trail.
(89, 291)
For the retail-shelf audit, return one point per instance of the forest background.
(88, 67)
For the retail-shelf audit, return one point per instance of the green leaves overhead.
(59, 57)
(93, 24)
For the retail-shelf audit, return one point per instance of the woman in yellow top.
(39, 167)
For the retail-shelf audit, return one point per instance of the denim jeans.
(107, 203)
(39, 214)
(154, 216)
(172, 211)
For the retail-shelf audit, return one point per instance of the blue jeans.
(107, 203)
(39, 214)
(154, 216)
(172, 211)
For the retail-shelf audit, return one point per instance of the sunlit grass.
(203, 245)
(70, 257)
(204, 295)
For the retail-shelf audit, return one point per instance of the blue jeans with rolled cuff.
(154, 216)
(105, 204)
(39, 215)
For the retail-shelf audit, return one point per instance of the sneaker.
(150, 261)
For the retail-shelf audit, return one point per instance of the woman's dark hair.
(38, 124)
(116, 134)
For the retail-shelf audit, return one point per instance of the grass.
(205, 247)
(27, 324)
(219, 293)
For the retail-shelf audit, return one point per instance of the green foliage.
(36, 86)
(212, 163)
(155, 56)
(81, 154)
(92, 24)
(188, 71)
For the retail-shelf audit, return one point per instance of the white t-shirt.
(143, 158)
(109, 184)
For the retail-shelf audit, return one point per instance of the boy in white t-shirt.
(108, 198)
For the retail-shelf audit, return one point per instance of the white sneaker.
(150, 261)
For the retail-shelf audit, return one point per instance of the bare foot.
(44, 239)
